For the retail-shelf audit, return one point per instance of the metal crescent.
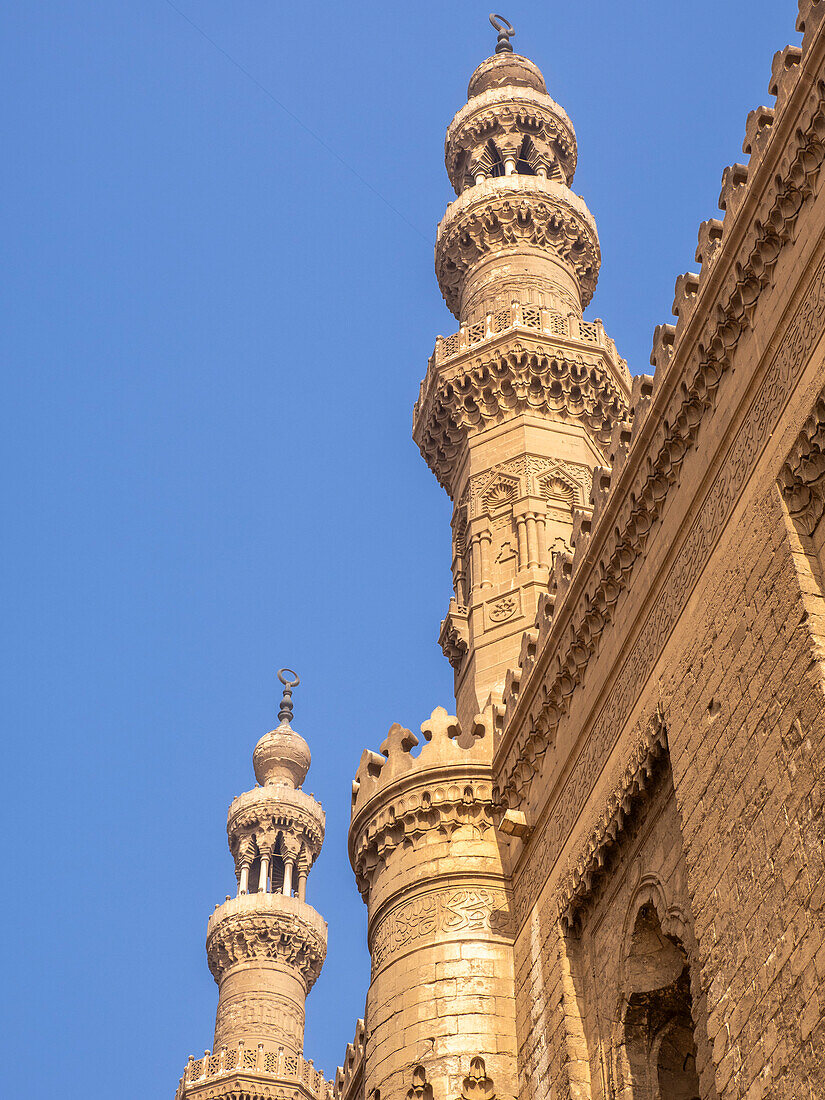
(289, 683)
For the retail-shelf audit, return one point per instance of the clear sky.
(219, 302)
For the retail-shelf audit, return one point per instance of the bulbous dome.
(281, 758)
(506, 70)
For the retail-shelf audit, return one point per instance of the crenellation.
(811, 13)
(757, 132)
(785, 70)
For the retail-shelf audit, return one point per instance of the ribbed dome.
(505, 70)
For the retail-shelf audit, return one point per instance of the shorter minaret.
(266, 946)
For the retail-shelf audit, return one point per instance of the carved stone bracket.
(802, 477)
(420, 1089)
(516, 211)
(275, 935)
(454, 636)
(477, 1085)
(633, 788)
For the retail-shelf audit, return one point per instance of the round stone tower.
(517, 408)
(423, 847)
(266, 946)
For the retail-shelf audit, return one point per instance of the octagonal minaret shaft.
(266, 946)
(517, 408)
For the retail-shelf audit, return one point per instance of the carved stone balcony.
(267, 927)
(241, 1071)
(454, 636)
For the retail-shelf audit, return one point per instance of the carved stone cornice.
(265, 812)
(267, 928)
(516, 211)
(760, 220)
(520, 373)
(802, 477)
(454, 798)
(509, 113)
(633, 789)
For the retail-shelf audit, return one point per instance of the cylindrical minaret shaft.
(517, 408)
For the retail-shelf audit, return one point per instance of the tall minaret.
(266, 946)
(517, 408)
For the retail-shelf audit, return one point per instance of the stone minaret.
(266, 946)
(517, 408)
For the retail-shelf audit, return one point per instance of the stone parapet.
(566, 326)
(253, 1072)
(349, 1078)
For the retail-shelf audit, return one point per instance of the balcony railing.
(567, 326)
(272, 1065)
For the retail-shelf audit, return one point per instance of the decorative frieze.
(455, 911)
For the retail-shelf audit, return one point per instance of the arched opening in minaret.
(658, 1056)
(496, 162)
(277, 874)
(527, 158)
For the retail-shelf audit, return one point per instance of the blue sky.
(215, 327)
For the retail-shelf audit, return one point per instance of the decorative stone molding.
(458, 911)
(448, 803)
(266, 927)
(521, 376)
(632, 790)
(506, 116)
(521, 211)
(802, 477)
(253, 1074)
(655, 458)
